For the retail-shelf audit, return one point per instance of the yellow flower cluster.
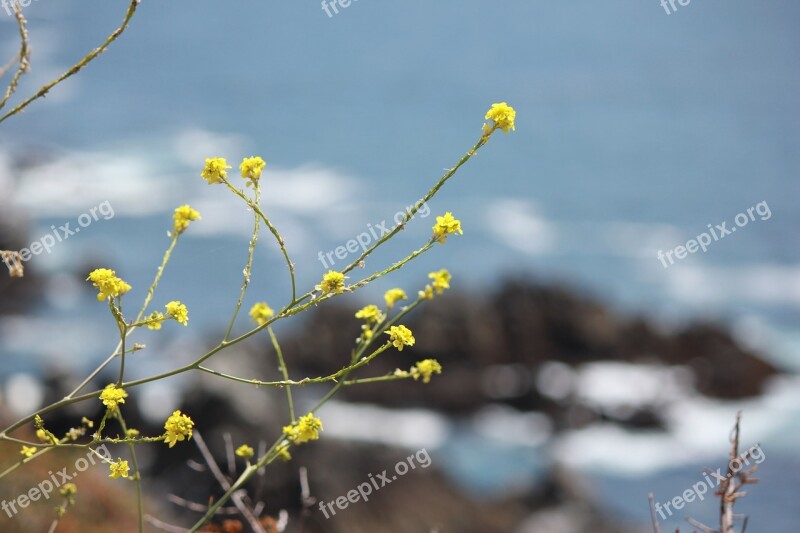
(332, 282)
(178, 427)
(178, 311)
(182, 216)
(118, 469)
(112, 396)
(400, 336)
(425, 369)
(305, 429)
(215, 170)
(107, 282)
(441, 281)
(245, 451)
(251, 168)
(28, 451)
(392, 296)
(154, 320)
(370, 313)
(260, 313)
(68, 489)
(503, 116)
(445, 226)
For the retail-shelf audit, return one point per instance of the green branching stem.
(248, 266)
(284, 371)
(77, 67)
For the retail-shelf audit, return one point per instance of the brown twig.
(23, 57)
(14, 263)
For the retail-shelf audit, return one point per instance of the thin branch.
(236, 497)
(24, 54)
(80, 64)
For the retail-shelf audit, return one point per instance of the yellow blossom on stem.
(68, 489)
(370, 313)
(503, 116)
(182, 216)
(305, 429)
(245, 451)
(441, 280)
(178, 427)
(178, 311)
(400, 336)
(215, 170)
(251, 168)
(27, 451)
(260, 313)
(392, 296)
(427, 293)
(107, 282)
(154, 320)
(445, 226)
(113, 395)
(282, 452)
(333, 282)
(118, 469)
(426, 369)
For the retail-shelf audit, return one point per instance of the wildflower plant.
(381, 325)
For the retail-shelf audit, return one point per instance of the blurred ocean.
(635, 131)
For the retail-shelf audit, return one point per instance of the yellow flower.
(27, 451)
(503, 116)
(182, 216)
(445, 226)
(392, 296)
(107, 282)
(260, 313)
(370, 313)
(132, 433)
(68, 489)
(155, 320)
(251, 168)
(332, 282)
(305, 429)
(245, 451)
(282, 452)
(178, 311)
(427, 293)
(179, 427)
(400, 336)
(215, 170)
(441, 280)
(113, 395)
(118, 469)
(426, 369)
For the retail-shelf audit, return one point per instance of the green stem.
(248, 266)
(284, 371)
(257, 209)
(80, 64)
